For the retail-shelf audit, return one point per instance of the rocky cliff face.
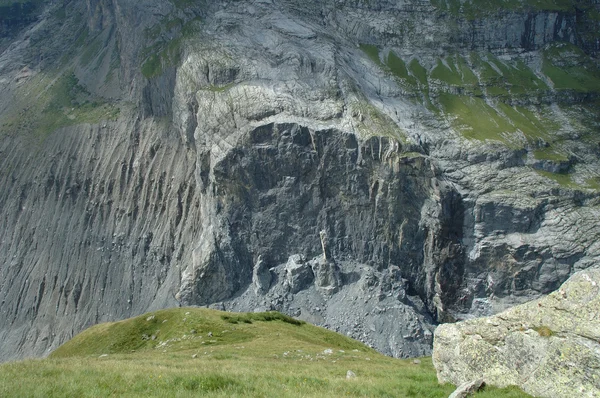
(375, 167)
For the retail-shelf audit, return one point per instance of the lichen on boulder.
(549, 347)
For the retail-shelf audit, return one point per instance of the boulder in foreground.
(548, 347)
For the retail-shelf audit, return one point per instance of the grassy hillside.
(192, 351)
(506, 101)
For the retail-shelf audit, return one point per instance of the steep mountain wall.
(374, 167)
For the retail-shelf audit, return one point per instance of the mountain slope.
(373, 167)
(191, 351)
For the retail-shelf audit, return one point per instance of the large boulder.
(549, 347)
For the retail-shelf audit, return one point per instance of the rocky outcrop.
(328, 159)
(549, 347)
(321, 209)
(467, 389)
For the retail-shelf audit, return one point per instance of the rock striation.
(376, 167)
(549, 347)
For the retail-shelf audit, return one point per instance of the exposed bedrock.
(376, 167)
(332, 212)
(548, 347)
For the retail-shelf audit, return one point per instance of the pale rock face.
(299, 274)
(269, 155)
(548, 347)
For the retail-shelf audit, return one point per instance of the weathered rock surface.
(313, 157)
(549, 347)
(467, 389)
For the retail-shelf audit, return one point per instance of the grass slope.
(485, 98)
(46, 102)
(192, 351)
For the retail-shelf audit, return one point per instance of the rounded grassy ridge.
(195, 351)
(185, 329)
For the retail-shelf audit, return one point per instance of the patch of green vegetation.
(397, 65)
(454, 6)
(152, 66)
(439, 4)
(149, 331)
(564, 52)
(487, 74)
(398, 68)
(220, 89)
(418, 71)
(491, 117)
(520, 78)
(419, 74)
(467, 75)
(495, 91)
(161, 56)
(166, 53)
(530, 125)
(553, 5)
(593, 183)
(593, 14)
(570, 68)
(475, 119)
(563, 180)
(48, 103)
(516, 126)
(544, 331)
(373, 122)
(167, 25)
(455, 71)
(191, 28)
(372, 52)
(152, 33)
(576, 78)
(393, 65)
(69, 103)
(276, 359)
(445, 74)
(262, 316)
(550, 153)
(566, 180)
(173, 23)
(585, 118)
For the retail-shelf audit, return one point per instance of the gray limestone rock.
(160, 153)
(549, 347)
(261, 276)
(299, 274)
(327, 275)
(466, 389)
